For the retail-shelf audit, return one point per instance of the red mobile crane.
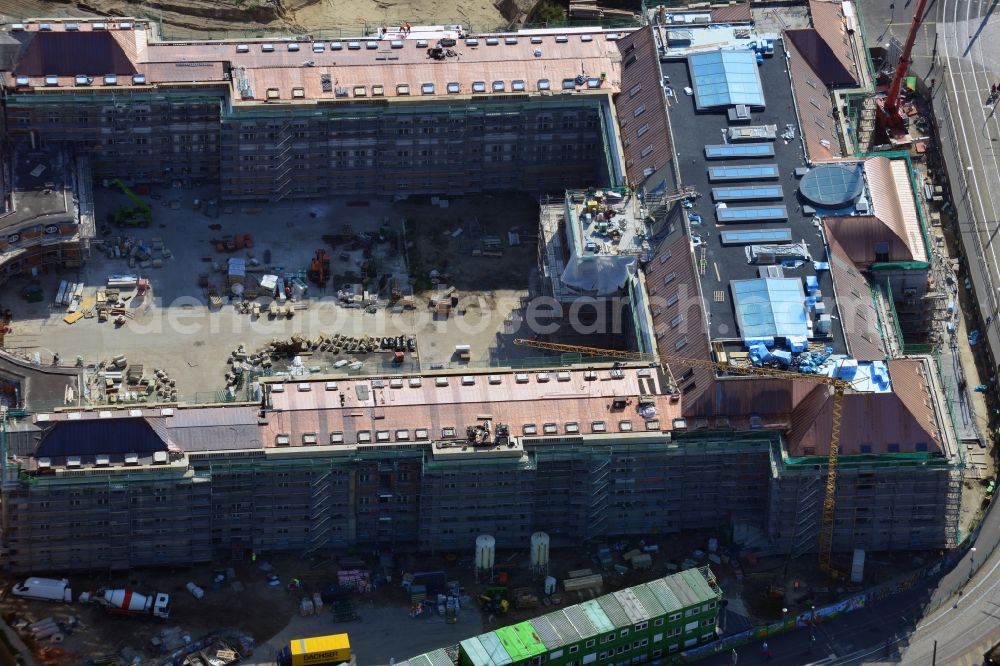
(891, 115)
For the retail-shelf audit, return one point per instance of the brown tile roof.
(457, 405)
(894, 221)
(821, 58)
(678, 313)
(734, 12)
(298, 75)
(854, 302)
(828, 20)
(645, 137)
(815, 109)
(903, 417)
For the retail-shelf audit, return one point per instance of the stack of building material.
(237, 270)
(592, 582)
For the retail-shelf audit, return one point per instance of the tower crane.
(890, 114)
(837, 386)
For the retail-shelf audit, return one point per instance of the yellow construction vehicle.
(838, 386)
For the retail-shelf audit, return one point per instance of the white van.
(45, 589)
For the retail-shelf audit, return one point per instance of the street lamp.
(812, 626)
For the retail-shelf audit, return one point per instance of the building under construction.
(768, 278)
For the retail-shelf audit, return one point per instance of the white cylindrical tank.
(486, 551)
(550, 584)
(127, 600)
(539, 550)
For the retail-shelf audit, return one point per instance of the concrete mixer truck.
(127, 602)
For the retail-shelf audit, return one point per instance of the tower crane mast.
(837, 386)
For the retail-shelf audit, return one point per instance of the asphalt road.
(953, 618)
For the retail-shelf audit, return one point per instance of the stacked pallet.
(589, 10)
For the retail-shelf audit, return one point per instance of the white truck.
(44, 589)
(127, 602)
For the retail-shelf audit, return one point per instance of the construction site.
(429, 290)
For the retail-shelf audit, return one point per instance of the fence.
(861, 600)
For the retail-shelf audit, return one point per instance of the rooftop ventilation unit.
(125, 25)
(102, 460)
(292, 46)
(396, 44)
(22, 80)
(561, 39)
(73, 461)
(159, 457)
(536, 40)
(267, 48)
(243, 48)
(44, 463)
(110, 80)
(510, 40)
(131, 458)
(72, 27)
(492, 41)
(471, 41)
(138, 79)
(98, 25)
(83, 80)
(45, 27)
(354, 46)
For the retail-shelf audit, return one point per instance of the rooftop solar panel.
(750, 236)
(730, 150)
(726, 78)
(747, 193)
(752, 213)
(759, 172)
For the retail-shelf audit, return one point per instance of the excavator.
(139, 215)
(837, 386)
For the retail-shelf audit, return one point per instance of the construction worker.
(253, 557)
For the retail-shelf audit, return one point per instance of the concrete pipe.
(56, 638)
(46, 632)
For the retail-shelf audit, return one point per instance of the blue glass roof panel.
(833, 185)
(731, 150)
(752, 213)
(743, 172)
(747, 192)
(750, 236)
(725, 78)
(768, 308)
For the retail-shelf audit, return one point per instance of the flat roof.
(42, 187)
(727, 262)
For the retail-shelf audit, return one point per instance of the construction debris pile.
(119, 382)
(243, 363)
(136, 251)
(108, 303)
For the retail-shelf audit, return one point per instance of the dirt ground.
(384, 629)
(188, 18)
(176, 329)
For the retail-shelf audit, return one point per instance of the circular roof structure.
(833, 185)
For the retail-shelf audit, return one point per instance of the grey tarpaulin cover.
(599, 275)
